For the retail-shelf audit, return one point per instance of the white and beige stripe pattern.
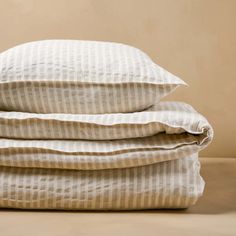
(80, 77)
(168, 117)
(176, 130)
(157, 171)
(170, 184)
(82, 128)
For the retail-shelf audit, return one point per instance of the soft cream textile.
(80, 77)
(82, 128)
(168, 117)
(176, 130)
(171, 184)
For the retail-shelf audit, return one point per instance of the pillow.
(80, 77)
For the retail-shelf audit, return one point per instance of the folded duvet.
(137, 160)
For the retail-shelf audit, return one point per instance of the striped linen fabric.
(168, 117)
(176, 130)
(80, 77)
(82, 128)
(170, 184)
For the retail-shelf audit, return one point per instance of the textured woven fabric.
(168, 117)
(82, 128)
(171, 184)
(80, 77)
(179, 132)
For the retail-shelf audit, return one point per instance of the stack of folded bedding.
(82, 127)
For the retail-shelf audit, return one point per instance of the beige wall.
(195, 39)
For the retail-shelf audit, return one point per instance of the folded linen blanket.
(176, 130)
(117, 161)
(168, 117)
(170, 184)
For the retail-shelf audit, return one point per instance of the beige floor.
(214, 214)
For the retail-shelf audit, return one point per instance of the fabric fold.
(179, 131)
(168, 117)
(171, 184)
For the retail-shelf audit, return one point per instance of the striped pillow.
(80, 77)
